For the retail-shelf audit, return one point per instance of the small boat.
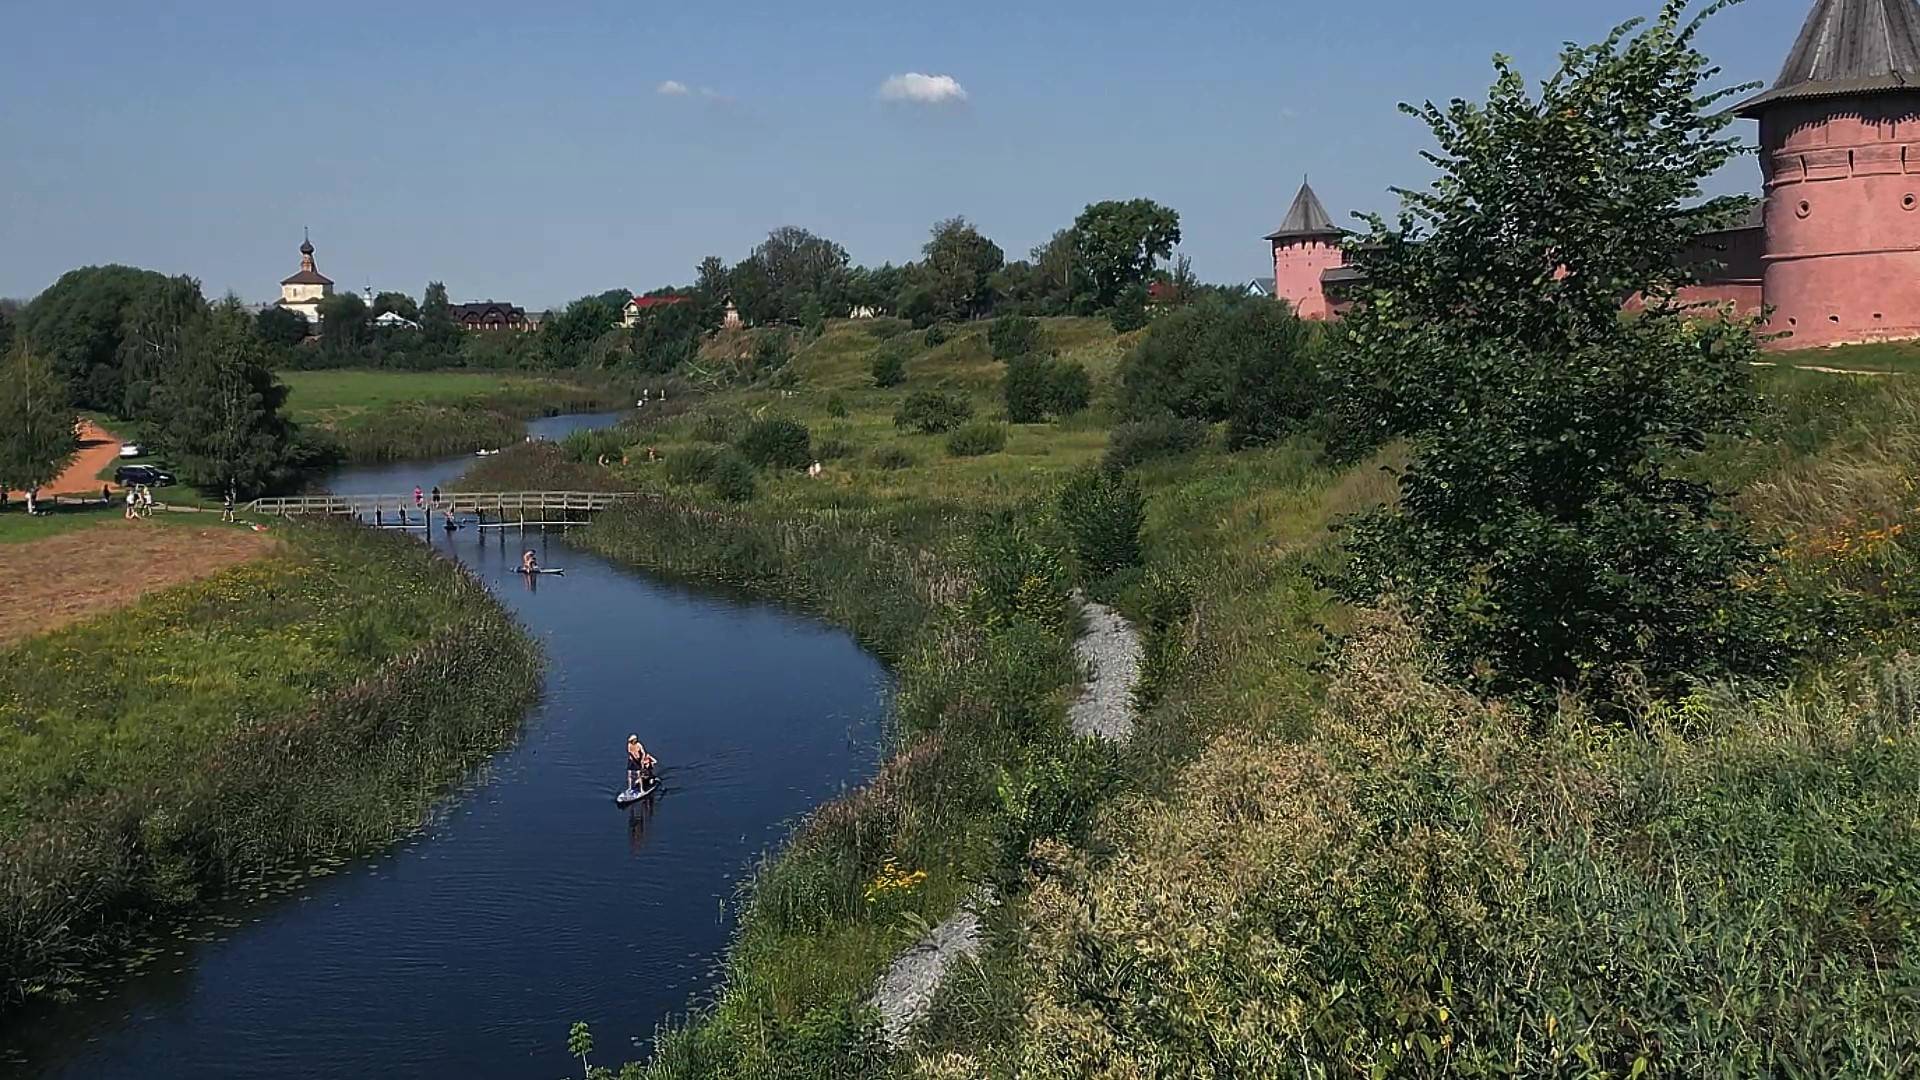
(634, 795)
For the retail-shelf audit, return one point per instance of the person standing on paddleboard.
(528, 564)
(639, 764)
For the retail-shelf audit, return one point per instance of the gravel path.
(1110, 651)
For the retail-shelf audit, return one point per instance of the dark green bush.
(937, 335)
(889, 366)
(1013, 335)
(832, 449)
(733, 479)
(836, 406)
(894, 458)
(1130, 312)
(931, 412)
(777, 442)
(1251, 364)
(977, 439)
(1103, 512)
(1164, 435)
(1036, 387)
(696, 464)
(1054, 799)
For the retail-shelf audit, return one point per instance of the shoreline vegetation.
(373, 417)
(268, 721)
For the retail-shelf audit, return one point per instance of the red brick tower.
(1305, 246)
(1840, 150)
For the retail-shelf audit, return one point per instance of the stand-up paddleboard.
(632, 795)
(542, 570)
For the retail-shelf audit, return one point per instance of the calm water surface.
(531, 901)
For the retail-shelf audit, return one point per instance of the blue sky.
(527, 153)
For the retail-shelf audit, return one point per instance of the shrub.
(937, 335)
(1013, 335)
(889, 366)
(1103, 512)
(976, 439)
(732, 479)
(588, 447)
(895, 458)
(1137, 441)
(1036, 387)
(931, 412)
(1070, 386)
(777, 442)
(836, 406)
(832, 449)
(1130, 312)
(1252, 364)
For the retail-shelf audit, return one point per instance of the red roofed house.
(640, 306)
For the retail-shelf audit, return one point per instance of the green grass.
(1886, 356)
(16, 527)
(328, 397)
(301, 707)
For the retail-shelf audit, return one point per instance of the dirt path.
(69, 576)
(1110, 651)
(99, 448)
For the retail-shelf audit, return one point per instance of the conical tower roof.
(1849, 47)
(1307, 217)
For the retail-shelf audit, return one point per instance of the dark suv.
(142, 476)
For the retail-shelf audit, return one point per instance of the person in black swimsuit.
(639, 765)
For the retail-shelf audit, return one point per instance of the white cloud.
(672, 88)
(914, 88)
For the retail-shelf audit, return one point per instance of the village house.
(491, 315)
(638, 307)
(1832, 253)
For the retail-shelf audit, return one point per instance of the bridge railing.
(504, 502)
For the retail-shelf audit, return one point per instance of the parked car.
(131, 449)
(147, 475)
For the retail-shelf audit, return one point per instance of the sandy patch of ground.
(70, 576)
(99, 448)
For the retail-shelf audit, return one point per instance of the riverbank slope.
(300, 707)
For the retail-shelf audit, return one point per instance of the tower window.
(1804, 208)
(1908, 201)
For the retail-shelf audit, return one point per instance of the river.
(529, 901)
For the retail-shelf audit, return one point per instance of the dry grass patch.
(65, 578)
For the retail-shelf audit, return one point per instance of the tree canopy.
(38, 427)
(791, 272)
(1545, 533)
(1116, 245)
(78, 324)
(217, 411)
(956, 276)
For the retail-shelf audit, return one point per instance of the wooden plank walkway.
(504, 503)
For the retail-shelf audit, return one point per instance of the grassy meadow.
(304, 706)
(1312, 846)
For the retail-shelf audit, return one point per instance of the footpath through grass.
(300, 707)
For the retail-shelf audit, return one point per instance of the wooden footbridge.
(507, 509)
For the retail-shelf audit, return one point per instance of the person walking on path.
(419, 497)
(146, 501)
(133, 503)
(226, 505)
(436, 495)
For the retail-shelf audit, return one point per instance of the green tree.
(1253, 364)
(440, 335)
(1546, 533)
(1013, 335)
(668, 337)
(153, 326)
(76, 324)
(217, 408)
(957, 272)
(790, 269)
(397, 302)
(38, 427)
(1116, 245)
(280, 328)
(9, 311)
(875, 287)
(566, 337)
(346, 328)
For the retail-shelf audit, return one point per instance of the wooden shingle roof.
(1307, 217)
(1848, 47)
